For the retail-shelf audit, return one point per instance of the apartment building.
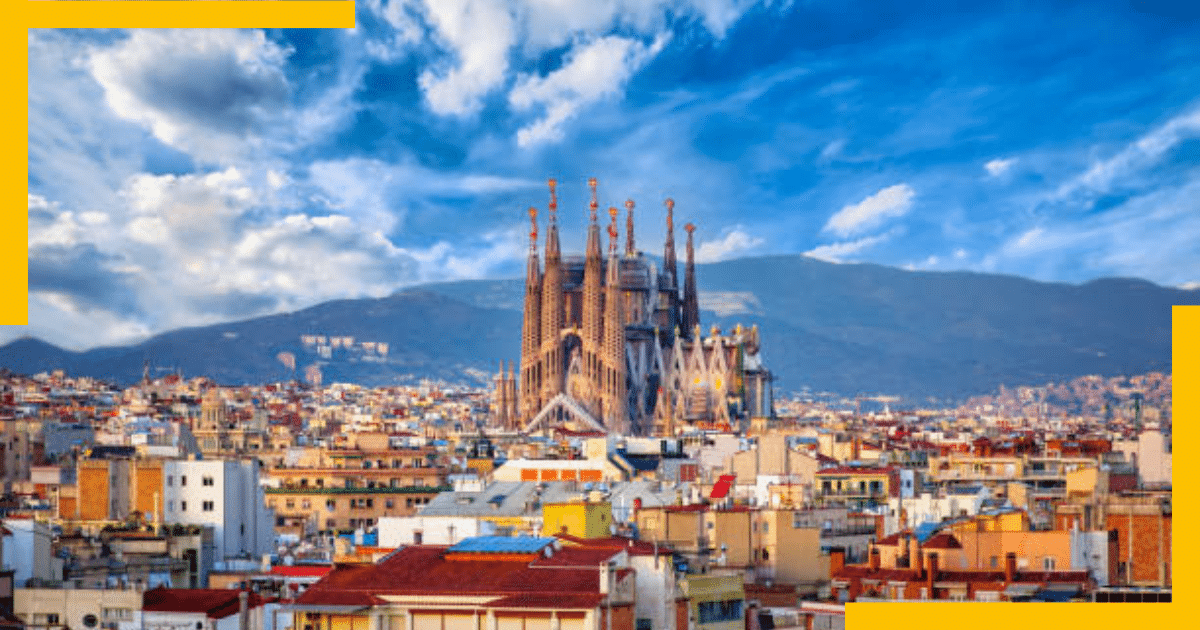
(226, 495)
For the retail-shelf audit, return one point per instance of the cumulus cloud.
(205, 92)
(999, 166)
(482, 39)
(888, 203)
(840, 252)
(594, 71)
(479, 33)
(735, 243)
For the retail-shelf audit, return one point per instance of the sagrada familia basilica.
(608, 343)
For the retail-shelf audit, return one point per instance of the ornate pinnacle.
(612, 229)
(553, 199)
(670, 204)
(594, 204)
(689, 228)
(532, 227)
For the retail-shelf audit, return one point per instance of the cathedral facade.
(609, 344)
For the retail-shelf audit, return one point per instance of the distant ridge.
(845, 328)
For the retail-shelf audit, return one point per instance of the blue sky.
(188, 177)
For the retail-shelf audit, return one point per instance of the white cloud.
(839, 252)
(404, 18)
(1139, 155)
(890, 202)
(482, 38)
(595, 70)
(999, 166)
(735, 243)
(206, 92)
(479, 33)
(1190, 286)
(1148, 236)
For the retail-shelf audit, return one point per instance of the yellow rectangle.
(191, 14)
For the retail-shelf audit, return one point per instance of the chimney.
(243, 610)
(918, 560)
(605, 578)
(1010, 567)
(931, 576)
(874, 559)
(837, 560)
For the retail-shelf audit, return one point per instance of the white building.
(225, 494)
(1151, 451)
(907, 513)
(398, 531)
(28, 551)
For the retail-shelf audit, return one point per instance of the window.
(170, 506)
(995, 561)
(207, 481)
(117, 614)
(389, 504)
(51, 618)
(182, 480)
(1048, 563)
(766, 527)
(183, 506)
(290, 504)
(207, 506)
(331, 504)
(306, 504)
(279, 522)
(170, 481)
(728, 610)
(331, 523)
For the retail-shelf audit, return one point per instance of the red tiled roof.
(424, 570)
(302, 570)
(216, 603)
(942, 541)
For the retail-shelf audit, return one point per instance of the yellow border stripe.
(195, 14)
(1186, 319)
(14, 136)
(1185, 411)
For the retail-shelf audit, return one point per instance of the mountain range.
(842, 328)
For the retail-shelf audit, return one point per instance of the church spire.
(669, 264)
(592, 313)
(552, 306)
(616, 415)
(531, 326)
(691, 304)
(630, 247)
